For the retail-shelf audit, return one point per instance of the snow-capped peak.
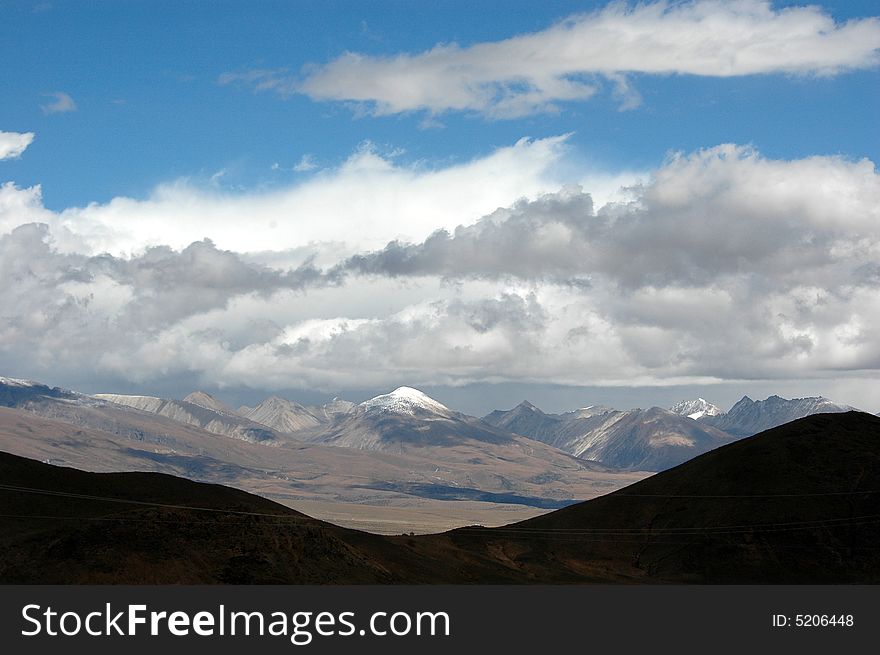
(404, 400)
(696, 409)
(15, 382)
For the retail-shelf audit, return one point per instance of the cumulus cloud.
(69, 306)
(360, 205)
(61, 103)
(725, 265)
(535, 72)
(12, 144)
(721, 265)
(720, 212)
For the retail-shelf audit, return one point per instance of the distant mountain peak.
(208, 401)
(282, 414)
(588, 411)
(529, 406)
(696, 409)
(275, 401)
(748, 417)
(404, 400)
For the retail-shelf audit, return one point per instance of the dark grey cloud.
(168, 284)
(712, 216)
(71, 307)
(547, 238)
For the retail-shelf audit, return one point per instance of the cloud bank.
(721, 265)
(721, 212)
(535, 72)
(362, 204)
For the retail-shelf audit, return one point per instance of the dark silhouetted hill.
(795, 504)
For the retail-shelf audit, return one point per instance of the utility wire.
(809, 495)
(63, 494)
(506, 531)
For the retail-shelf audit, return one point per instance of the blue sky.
(144, 77)
(577, 202)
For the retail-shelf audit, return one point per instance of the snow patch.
(15, 382)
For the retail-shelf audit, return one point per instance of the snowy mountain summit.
(404, 400)
(696, 409)
(15, 382)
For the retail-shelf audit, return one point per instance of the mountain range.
(796, 504)
(655, 439)
(748, 417)
(200, 410)
(390, 451)
(695, 409)
(402, 449)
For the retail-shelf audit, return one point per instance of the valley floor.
(422, 516)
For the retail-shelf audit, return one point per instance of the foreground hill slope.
(799, 503)
(149, 533)
(796, 504)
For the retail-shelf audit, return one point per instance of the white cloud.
(360, 205)
(261, 79)
(718, 212)
(61, 104)
(306, 163)
(722, 265)
(12, 144)
(21, 206)
(534, 72)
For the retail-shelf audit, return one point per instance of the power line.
(64, 494)
(652, 529)
(807, 495)
(646, 533)
(609, 537)
(523, 532)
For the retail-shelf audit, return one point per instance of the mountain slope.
(807, 482)
(525, 419)
(102, 436)
(282, 415)
(748, 417)
(329, 411)
(231, 537)
(223, 421)
(208, 401)
(404, 419)
(695, 409)
(647, 440)
(18, 393)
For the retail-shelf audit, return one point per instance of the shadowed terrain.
(796, 504)
(422, 466)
